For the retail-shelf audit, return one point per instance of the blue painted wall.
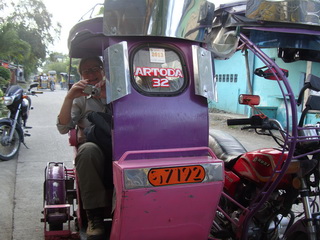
(228, 89)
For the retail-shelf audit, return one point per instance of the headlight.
(8, 100)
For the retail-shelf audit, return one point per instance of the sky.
(67, 13)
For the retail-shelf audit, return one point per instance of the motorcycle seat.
(224, 145)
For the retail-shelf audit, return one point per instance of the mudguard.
(57, 210)
(9, 121)
(55, 189)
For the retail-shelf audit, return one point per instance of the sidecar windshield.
(158, 70)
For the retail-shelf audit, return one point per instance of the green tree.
(74, 68)
(61, 63)
(4, 76)
(33, 15)
(2, 6)
(59, 67)
(32, 30)
(12, 47)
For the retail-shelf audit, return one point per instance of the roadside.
(7, 189)
(45, 145)
(7, 186)
(21, 189)
(248, 138)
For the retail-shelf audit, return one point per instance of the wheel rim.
(8, 149)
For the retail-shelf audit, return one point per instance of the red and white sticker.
(153, 71)
(161, 75)
(157, 82)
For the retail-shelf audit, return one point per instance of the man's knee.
(89, 147)
(89, 151)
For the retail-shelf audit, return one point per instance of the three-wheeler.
(160, 63)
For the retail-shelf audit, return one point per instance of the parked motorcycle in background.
(12, 134)
(52, 85)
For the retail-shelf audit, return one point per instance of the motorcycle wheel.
(299, 236)
(8, 149)
(52, 87)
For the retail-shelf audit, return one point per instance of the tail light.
(247, 99)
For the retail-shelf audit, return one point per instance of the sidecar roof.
(86, 38)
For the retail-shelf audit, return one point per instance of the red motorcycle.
(292, 210)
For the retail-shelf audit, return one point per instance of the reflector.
(247, 99)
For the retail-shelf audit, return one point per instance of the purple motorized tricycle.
(168, 183)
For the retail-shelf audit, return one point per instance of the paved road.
(21, 179)
(21, 189)
(249, 139)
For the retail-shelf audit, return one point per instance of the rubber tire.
(299, 236)
(55, 226)
(4, 154)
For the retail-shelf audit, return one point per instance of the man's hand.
(77, 89)
(102, 85)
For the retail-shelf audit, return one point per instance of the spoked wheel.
(8, 149)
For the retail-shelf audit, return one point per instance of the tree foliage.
(26, 32)
(33, 16)
(2, 6)
(4, 73)
(12, 47)
(61, 64)
(4, 76)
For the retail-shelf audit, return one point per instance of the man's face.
(92, 71)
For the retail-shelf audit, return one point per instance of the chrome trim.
(168, 18)
(117, 71)
(138, 177)
(203, 73)
(287, 11)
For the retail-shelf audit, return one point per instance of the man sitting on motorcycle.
(91, 161)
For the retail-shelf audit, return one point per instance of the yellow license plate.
(176, 175)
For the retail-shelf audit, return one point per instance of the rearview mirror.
(270, 73)
(313, 83)
(33, 85)
(313, 103)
